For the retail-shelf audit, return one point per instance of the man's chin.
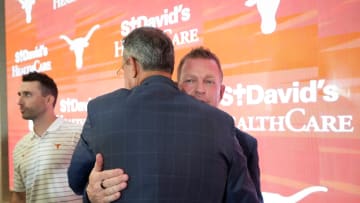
(206, 102)
(26, 117)
(200, 99)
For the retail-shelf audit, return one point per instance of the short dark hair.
(151, 47)
(202, 53)
(47, 84)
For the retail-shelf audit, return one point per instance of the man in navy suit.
(200, 75)
(174, 147)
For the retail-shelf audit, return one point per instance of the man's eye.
(27, 94)
(189, 81)
(210, 82)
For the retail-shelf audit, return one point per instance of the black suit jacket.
(174, 148)
(249, 146)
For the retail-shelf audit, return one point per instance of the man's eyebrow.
(188, 75)
(25, 91)
(210, 76)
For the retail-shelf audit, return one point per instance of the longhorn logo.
(57, 146)
(277, 198)
(79, 44)
(27, 5)
(267, 10)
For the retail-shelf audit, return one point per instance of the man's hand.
(105, 186)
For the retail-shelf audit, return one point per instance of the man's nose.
(200, 88)
(19, 101)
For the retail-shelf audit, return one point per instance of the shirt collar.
(52, 128)
(55, 125)
(157, 79)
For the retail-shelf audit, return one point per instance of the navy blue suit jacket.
(174, 148)
(249, 146)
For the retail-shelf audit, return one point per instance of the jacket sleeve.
(240, 188)
(82, 161)
(254, 168)
(250, 148)
(85, 196)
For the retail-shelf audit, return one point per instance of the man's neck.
(43, 123)
(147, 74)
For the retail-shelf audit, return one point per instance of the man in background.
(41, 158)
(174, 148)
(200, 75)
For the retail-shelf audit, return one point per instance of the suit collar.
(158, 79)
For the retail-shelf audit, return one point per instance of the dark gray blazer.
(174, 148)
(249, 146)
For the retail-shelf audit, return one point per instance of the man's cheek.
(189, 91)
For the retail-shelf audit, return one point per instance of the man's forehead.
(199, 74)
(201, 66)
(204, 63)
(30, 86)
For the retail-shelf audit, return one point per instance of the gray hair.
(151, 48)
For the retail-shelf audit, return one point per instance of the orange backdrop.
(291, 72)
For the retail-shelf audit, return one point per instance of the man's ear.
(222, 90)
(50, 99)
(134, 67)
